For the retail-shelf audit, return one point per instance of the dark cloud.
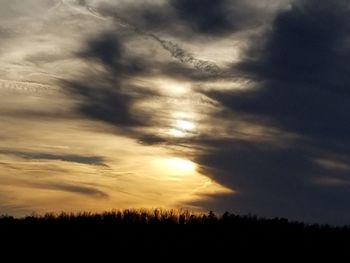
(105, 102)
(110, 51)
(276, 180)
(149, 139)
(79, 189)
(65, 187)
(301, 73)
(205, 16)
(107, 96)
(107, 48)
(149, 16)
(92, 160)
(189, 19)
(184, 57)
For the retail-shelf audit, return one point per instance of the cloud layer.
(300, 73)
(254, 93)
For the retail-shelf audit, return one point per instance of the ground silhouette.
(159, 233)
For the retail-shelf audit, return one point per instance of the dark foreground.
(160, 233)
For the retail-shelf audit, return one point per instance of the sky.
(225, 105)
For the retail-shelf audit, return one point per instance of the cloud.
(190, 19)
(110, 51)
(205, 17)
(279, 178)
(82, 159)
(177, 52)
(21, 9)
(104, 102)
(79, 189)
(69, 187)
(103, 49)
(108, 93)
(106, 96)
(300, 68)
(302, 72)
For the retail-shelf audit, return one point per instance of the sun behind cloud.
(180, 166)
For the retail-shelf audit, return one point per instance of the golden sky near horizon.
(55, 159)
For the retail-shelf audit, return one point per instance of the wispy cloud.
(73, 188)
(91, 160)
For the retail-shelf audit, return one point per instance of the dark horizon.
(169, 233)
(158, 215)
